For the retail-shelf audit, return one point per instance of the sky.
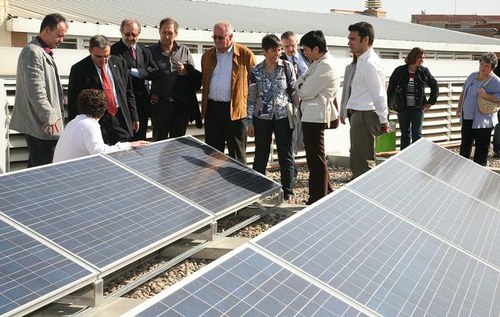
(400, 10)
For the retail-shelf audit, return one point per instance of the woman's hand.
(250, 130)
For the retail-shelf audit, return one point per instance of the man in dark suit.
(141, 65)
(109, 73)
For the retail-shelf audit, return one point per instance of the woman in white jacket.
(318, 89)
(82, 136)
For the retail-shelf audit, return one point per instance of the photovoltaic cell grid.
(198, 172)
(436, 205)
(29, 271)
(454, 170)
(384, 262)
(96, 209)
(249, 284)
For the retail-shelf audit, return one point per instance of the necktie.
(108, 90)
(133, 53)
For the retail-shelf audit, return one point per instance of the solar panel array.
(200, 173)
(413, 237)
(96, 214)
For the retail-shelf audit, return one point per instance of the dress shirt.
(368, 86)
(267, 96)
(81, 137)
(111, 79)
(164, 81)
(134, 71)
(220, 83)
(298, 60)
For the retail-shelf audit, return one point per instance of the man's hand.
(154, 99)
(179, 67)
(140, 143)
(50, 129)
(385, 128)
(135, 125)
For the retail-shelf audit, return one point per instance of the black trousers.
(480, 138)
(314, 143)
(169, 119)
(41, 152)
(143, 111)
(264, 130)
(220, 129)
(114, 128)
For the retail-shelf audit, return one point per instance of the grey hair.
(490, 58)
(99, 41)
(130, 22)
(227, 26)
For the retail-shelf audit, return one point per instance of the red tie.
(108, 90)
(133, 53)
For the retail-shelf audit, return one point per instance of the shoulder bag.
(289, 106)
(487, 106)
(395, 99)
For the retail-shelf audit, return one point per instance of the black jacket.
(423, 77)
(84, 75)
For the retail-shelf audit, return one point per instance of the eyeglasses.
(219, 37)
(131, 34)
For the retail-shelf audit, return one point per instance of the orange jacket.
(243, 62)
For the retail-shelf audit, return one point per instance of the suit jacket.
(243, 62)
(144, 65)
(84, 75)
(39, 94)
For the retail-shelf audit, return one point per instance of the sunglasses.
(219, 37)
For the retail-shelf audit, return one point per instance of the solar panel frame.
(198, 172)
(34, 273)
(81, 218)
(246, 282)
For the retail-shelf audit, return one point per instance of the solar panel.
(384, 262)
(200, 173)
(247, 284)
(98, 210)
(32, 273)
(456, 171)
(435, 205)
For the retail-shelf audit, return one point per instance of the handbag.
(334, 124)
(395, 99)
(289, 106)
(487, 106)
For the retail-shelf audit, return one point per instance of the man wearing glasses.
(292, 54)
(225, 73)
(109, 73)
(141, 65)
